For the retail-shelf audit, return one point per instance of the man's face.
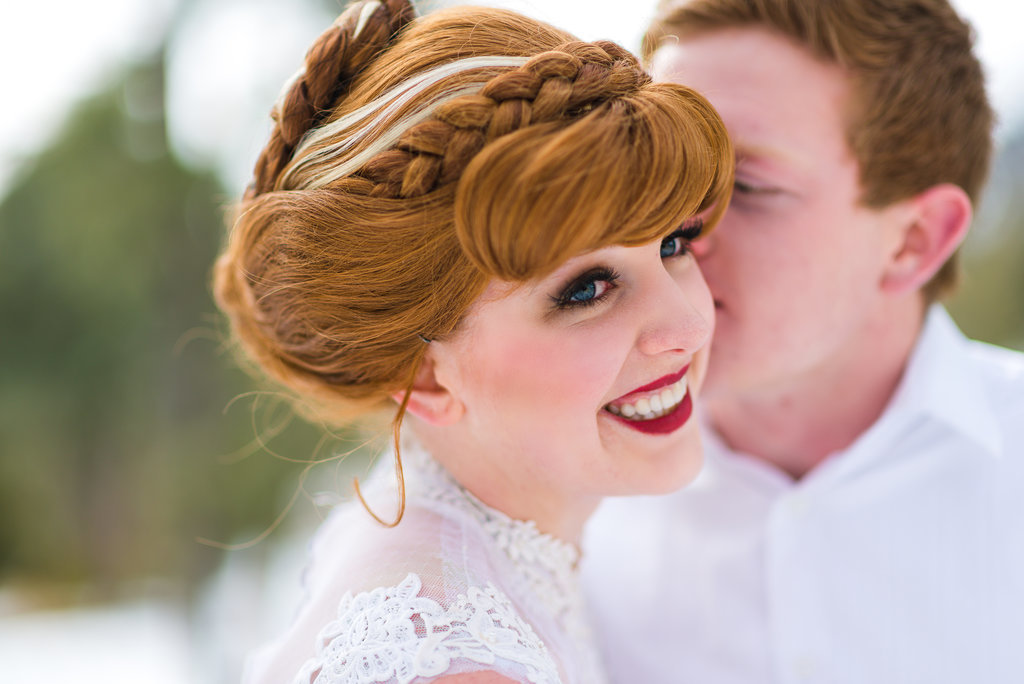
(796, 263)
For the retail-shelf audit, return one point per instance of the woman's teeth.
(652, 405)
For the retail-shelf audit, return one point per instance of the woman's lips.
(659, 383)
(664, 424)
(657, 407)
(650, 404)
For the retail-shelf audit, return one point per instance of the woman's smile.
(659, 407)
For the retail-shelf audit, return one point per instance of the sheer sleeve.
(399, 634)
(456, 588)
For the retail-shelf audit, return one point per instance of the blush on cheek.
(540, 374)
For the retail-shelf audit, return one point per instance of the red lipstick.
(670, 422)
(648, 397)
(660, 382)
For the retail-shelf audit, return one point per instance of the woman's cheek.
(569, 371)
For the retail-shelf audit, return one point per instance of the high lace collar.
(548, 564)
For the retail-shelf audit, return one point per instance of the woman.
(477, 219)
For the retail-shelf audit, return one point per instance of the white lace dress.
(456, 587)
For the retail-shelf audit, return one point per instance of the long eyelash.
(564, 300)
(688, 233)
(691, 230)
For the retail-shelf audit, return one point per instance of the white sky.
(229, 61)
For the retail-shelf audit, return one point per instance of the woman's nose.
(679, 317)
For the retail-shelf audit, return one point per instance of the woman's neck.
(506, 488)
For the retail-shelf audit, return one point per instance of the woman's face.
(580, 384)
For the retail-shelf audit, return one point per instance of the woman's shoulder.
(393, 604)
(425, 629)
(481, 677)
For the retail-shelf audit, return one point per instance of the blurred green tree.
(989, 305)
(113, 377)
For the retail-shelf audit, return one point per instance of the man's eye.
(742, 188)
(587, 289)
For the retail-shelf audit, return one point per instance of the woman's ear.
(935, 226)
(429, 400)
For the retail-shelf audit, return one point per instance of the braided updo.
(415, 159)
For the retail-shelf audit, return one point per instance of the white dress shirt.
(900, 559)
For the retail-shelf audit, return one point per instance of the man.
(860, 517)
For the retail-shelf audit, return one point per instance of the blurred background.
(132, 448)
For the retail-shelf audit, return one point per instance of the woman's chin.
(686, 470)
(664, 476)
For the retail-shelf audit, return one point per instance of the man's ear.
(936, 225)
(429, 400)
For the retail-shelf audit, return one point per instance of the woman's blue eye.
(678, 242)
(586, 289)
(671, 246)
(585, 293)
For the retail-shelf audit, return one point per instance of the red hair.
(416, 159)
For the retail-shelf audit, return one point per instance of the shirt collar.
(939, 385)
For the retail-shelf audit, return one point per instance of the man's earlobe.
(430, 400)
(937, 225)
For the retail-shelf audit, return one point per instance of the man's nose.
(675, 321)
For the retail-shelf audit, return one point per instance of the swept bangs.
(629, 172)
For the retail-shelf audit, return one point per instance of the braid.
(553, 85)
(338, 55)
(401, 177)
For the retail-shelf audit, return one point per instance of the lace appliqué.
(394, 634)
(546, 563)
